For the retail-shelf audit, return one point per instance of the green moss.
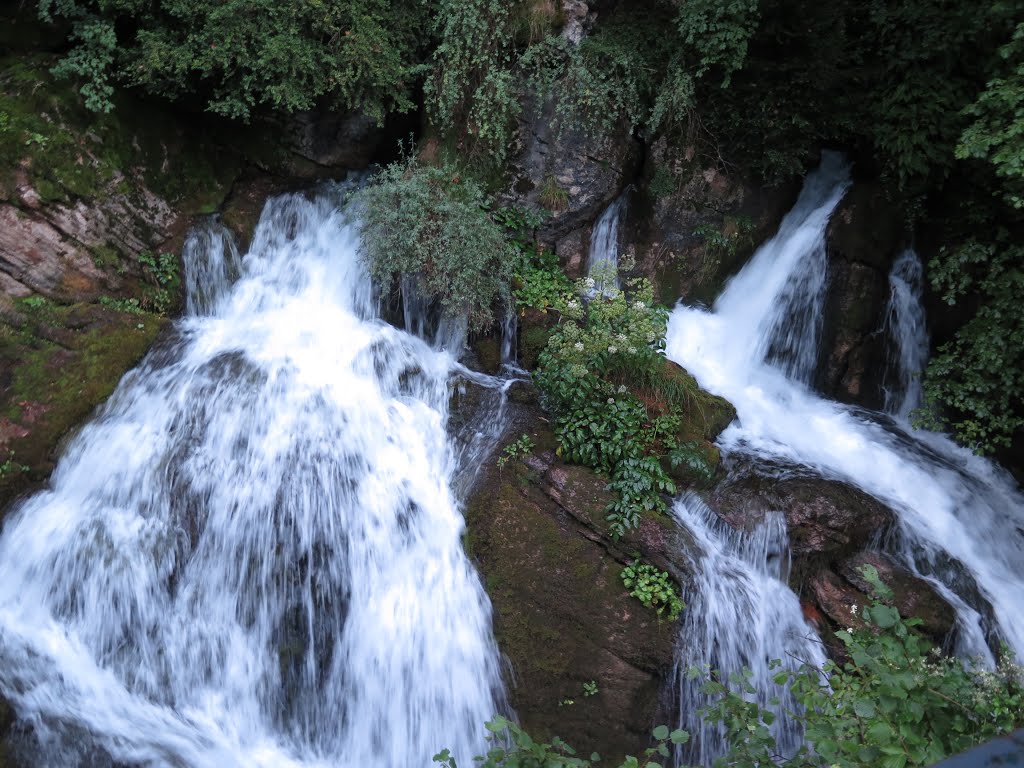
(51, 388)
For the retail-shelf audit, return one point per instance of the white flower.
(632, 350)
(853, 609)
(650, 337)
(850, 630)
(611, 400)
(590, 283)
(572, 305)
(612, 349)
(621, 337)
(639, 305)
(622, 388)
(578, 346)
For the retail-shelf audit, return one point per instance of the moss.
(69, 152)
(49, 388)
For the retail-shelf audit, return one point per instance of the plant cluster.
(654, 588)
(518, 448)
(9, 466)
(164, 281)
(605, 347)
(512, 747)
(431, 224)
(238, 56)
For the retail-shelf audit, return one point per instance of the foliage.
(161, 271)
(431, 224)
(516, 449)
(512, 747)
(653, 588)
(472, 91)
(130, 306)
(9, 466)
(236, 56)
(974, 381)
(602, 342)
(896, 702)
(552, 196)
(996, 133)
(539, 281)
(735, 236)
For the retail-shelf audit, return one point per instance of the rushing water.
(960, 518)
(251, 555)
(740, 615)
(603, 256)
(907, 335)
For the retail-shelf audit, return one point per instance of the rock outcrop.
(864, 236)
(562, 617)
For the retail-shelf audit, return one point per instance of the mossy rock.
(58, 366)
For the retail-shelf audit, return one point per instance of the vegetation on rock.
(431, 225)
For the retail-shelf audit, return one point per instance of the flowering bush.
(605, 337)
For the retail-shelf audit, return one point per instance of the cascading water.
(960, 518)
(740, 615)
(603, 256)
(907, 336)
(251, 555)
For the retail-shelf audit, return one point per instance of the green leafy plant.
(9, 466)
(520, 447)
(129, 306)
(590, 688)
(162, 272)
(512, 747)
(431, 224)
(654, 588)
(362, 55)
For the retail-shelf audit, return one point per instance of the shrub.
(653, 588)
(432, 224)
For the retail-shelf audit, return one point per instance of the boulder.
(825, 517)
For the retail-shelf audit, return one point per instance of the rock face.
(82, 198)
(865, 236)
(570, 172)
(825, 517)
(696, 225)
(562, 617)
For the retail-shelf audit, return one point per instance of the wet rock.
(912, 596)
(825, 517)
(572, 172)
(696, 224)
(534, 330)
(864, 236)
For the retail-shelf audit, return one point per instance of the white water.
(251, 555)
(907, 335)
(740, 615)
(603, 256)
(961, 519)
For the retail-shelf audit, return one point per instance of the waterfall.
(780, 293)
(960, 518)
(212, 265)
(603, 256)
(251, 555)
(907, 336)
(740, 615)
